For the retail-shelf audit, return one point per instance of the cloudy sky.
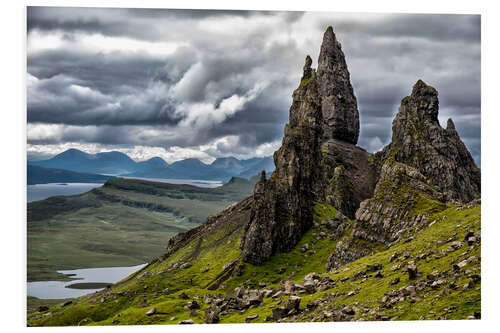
(205, 84)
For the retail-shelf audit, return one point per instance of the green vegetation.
(123, 223)
(159, 284)
(306, 81)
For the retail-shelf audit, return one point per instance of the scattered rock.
(279, 313)
(412, 270)
(293, 303)
(348, 310)
(305, 247)
(394, 281)
(183, 295)
(151, 312)
(185, 265)
(289, 286)
(373, 268)
(310, 287)
(84, 322)
(212, 315)
(193, 305)
(186, 322)
(251, 317)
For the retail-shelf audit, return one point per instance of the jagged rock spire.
(439, 154)
(450, 125)
(338, 103)
(307, 68)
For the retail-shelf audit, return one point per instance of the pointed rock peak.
(450, 126)
(423, 90)
(330, 50)
(423, 102)
(307, 68)
(263, 176)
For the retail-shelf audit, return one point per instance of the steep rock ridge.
(439, 154)
(318, 159)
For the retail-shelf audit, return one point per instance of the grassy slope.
(94, 232)
(124, 304)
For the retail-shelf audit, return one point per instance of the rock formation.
(318, 159)
(422, 166)
(319, 162)
(338, 103)
(419, 141)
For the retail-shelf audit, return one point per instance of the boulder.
(251, 317)
(394, 281)
(182, 295)
(193, 305)
(412, 270)
(292, 303)
(279, 313)
(310, 287)
(212, 315)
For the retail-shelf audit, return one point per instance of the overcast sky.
(205, 84)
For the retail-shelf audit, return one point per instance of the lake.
(195, 182)
(58, 289)
(43, 191)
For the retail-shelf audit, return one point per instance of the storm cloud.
(198, 83)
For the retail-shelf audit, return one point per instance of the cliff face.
(318, 159)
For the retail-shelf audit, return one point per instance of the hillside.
(125, 222)
(39, 175)
(335, 233)
(376, 287)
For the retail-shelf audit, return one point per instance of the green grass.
(123, 304)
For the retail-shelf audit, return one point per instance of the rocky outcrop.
(422, 168)
(439, 154)
(318, 159)
(402, 200)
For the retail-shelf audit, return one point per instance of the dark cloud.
(228, 78)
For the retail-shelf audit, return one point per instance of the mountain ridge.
(117, 163)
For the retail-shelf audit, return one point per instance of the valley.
(125, 222)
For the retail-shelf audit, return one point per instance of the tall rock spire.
(317, 160)
(338, 103)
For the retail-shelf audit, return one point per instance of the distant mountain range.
(119, 164)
